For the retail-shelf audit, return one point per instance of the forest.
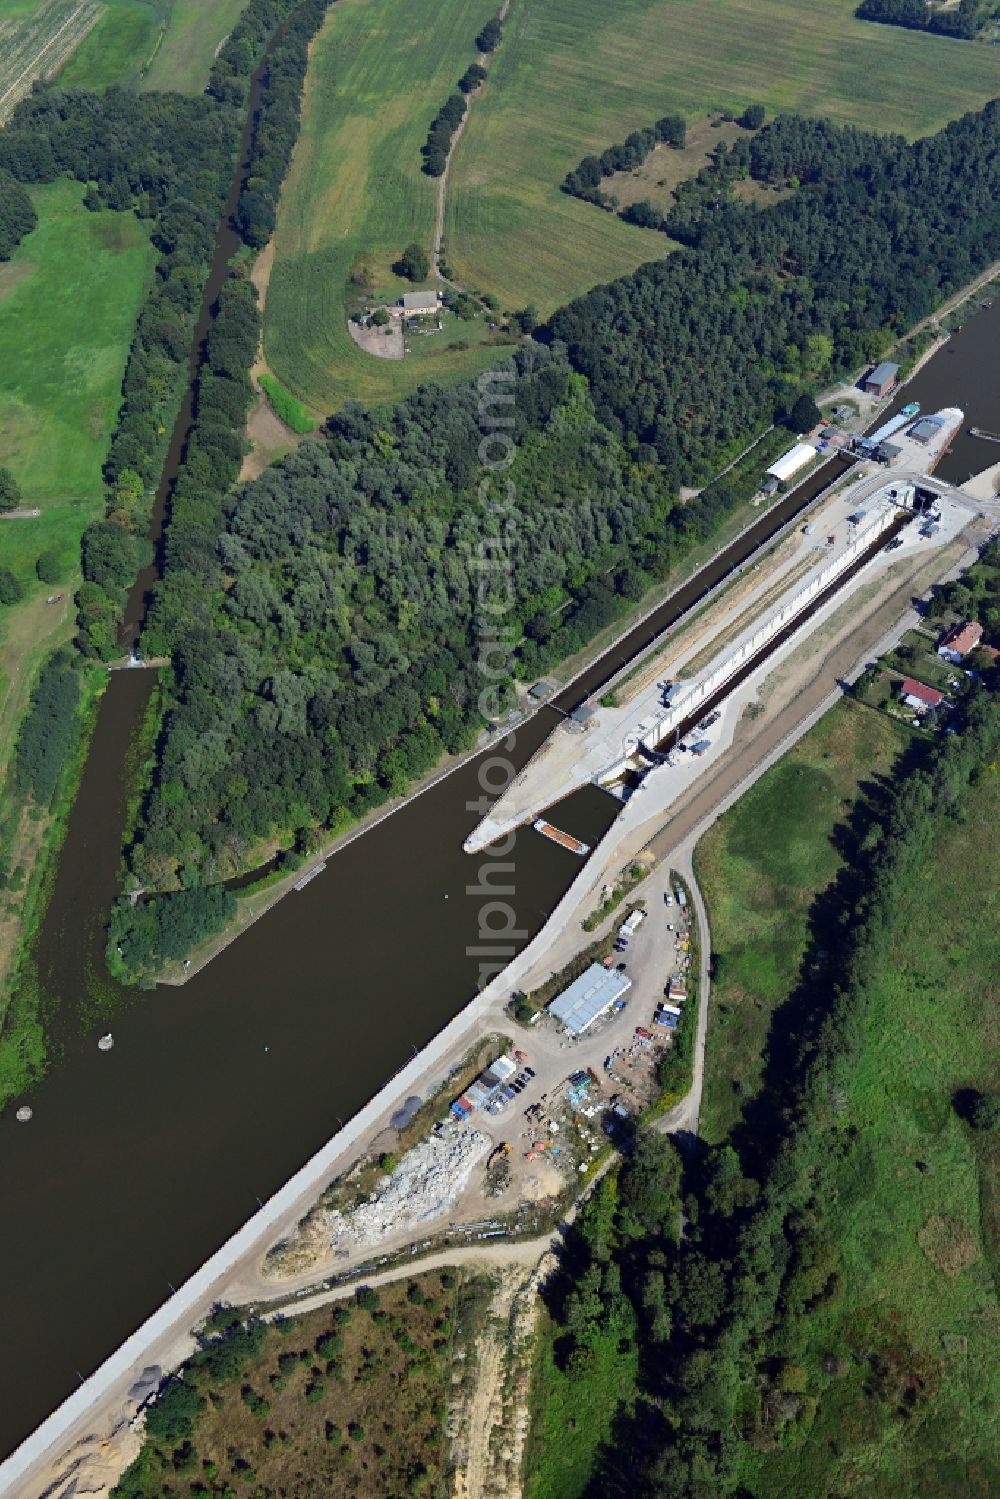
(690, 352)
(721, 1315)
(325, 651)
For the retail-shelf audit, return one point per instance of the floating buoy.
(23, 1114)
(106, 1042)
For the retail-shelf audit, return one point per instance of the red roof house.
(919, 696)
(960, 640)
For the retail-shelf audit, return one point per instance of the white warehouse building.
(589, 997)
(789, 463)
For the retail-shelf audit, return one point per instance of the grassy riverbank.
(30, 840)
(761, 869)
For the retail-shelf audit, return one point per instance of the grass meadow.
(356, 191)
(573, 76)
(68, 302)
(761, 867)
(901, 1361)
(193, 32)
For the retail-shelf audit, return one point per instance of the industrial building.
(789, 463)
(589, 997)
(881, 379)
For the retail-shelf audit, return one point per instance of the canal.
(139, 1162)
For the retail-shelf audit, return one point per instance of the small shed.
(881, 379)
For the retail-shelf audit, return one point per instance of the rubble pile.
(427, 1182)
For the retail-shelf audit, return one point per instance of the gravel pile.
(427, 1182)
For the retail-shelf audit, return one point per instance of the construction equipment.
(500, 1152)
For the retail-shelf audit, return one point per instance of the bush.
(985, 1113)
(11, 588)
(752, 117)
(10, 491)
(489, 38)
(50, 566)
(471, 78)
(413, 263)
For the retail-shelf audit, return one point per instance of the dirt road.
(483, 59)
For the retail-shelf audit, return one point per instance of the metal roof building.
(789, 463)
(588, 997)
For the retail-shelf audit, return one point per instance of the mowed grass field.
(761, 867)
(380, 71)
(194, 30)
(573, 76)
(68, 302)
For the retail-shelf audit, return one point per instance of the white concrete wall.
(688, 702)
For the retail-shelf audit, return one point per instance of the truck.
(632, 923)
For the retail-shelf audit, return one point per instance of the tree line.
(692, 353)
(17, 215)
(167, 158)
(716, 1313)
(964, 21)
(276, 125)
(451, 114)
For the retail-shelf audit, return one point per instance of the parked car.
(668, 899)
(529, 1071)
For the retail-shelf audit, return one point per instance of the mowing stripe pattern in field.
(573, 76)
(37, 46)
(379, 72)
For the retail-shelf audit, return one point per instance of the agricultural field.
(68, 302)
(574, 76)
(356, 195)
(36, 38)
(761, 867)
(351, 1398)
(909, 1337)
